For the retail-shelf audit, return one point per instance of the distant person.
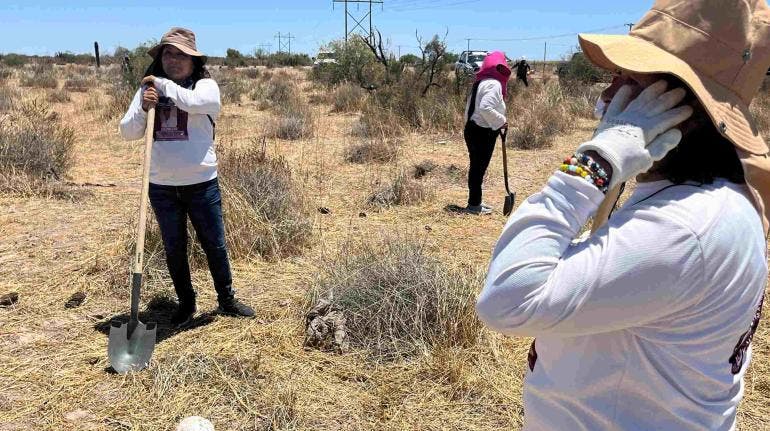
(647, 324)
(485, 120)
(183, 172)
(522, 70)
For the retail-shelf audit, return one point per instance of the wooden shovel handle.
(603, 213)
(148, 137)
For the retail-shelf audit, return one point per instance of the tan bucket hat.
(181, 38)
(721, 50)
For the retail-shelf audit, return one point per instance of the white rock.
(195, 423)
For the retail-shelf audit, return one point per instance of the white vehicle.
(469, 62)
(325, 58)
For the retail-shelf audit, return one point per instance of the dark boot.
(234, 307)
(184, 314)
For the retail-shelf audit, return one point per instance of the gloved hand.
(636, 133)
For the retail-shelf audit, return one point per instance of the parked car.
(469, 62)
(325, 58)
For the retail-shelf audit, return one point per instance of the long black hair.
(156, 68)
(703, 154)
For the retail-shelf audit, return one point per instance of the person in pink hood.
(485, 120)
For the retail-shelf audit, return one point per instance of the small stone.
(9, 299)
(93, 360)
(428, 228)
(76, 300)
(324, 210)
(362, 214)
(195, 423)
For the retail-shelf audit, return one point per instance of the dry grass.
(254, 374)
(760, 109)
(402, 190)
(79, 84)
(348, 98)
(265, 211)
(374, 150)
(293, 122)
(400, 299)
(58, 96)
(232, 90)
(541, 113)
(8, 96)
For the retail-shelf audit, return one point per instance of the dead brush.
(265, 211)
(348, 98)
(293, 122)
(403, 190)
(540, 114)
(8, 96)
(400, 299)
(374, 150)
(78, 84)
(423, 168)
(58, 96)
(33, 140)
(232, 90)
(41, 76)
(376, 121)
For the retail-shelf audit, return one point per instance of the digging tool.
(510, 197)
(131, 344)
(605, 209)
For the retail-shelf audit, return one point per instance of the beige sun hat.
(721, 50)
(181, 38)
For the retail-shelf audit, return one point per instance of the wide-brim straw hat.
(181, 38)
(721, 50)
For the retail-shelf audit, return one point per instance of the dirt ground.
(255, 374)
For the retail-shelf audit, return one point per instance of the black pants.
(202, 203)
(481, 144)
(524, 78)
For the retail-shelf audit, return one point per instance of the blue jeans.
(202, 203)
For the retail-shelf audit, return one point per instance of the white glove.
(632, 136)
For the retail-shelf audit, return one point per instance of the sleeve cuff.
(576, 194)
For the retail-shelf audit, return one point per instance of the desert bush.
(281, 92)
(35, 148)
(251, 73)
(398, 298)
(40, 77)
(378, 122)
(348, 98)
(8, 96)
(373, 150)
(539, 117)
(118, 102)
(294, 121)
(14, 60)
(232, 91)
(265, 210)
(58, 96)
(402, 190)
(79, 84)
(579, 69)
(5, 73)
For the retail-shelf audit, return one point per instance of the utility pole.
(359, 20)
(545, 52)
(268, 45)
(469, 44)
(284, 46)
(630, 26)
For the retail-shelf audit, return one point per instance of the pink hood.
(489, 70)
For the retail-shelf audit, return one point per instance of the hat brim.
(152, 52)
(725, 108)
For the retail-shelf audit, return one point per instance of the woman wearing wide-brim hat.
(647, 323)
(183, 171)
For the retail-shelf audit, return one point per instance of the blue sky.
(48, 26)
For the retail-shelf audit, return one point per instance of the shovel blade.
(510, 199)
(131, 353)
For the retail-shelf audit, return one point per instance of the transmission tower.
(284, 46)
(359, 21)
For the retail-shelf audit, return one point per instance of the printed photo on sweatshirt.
(170, 122)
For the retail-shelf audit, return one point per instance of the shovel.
(510, 197)
(131, 344)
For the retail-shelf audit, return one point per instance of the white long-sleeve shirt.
(636, 326)
(185, 154)
(490, 107)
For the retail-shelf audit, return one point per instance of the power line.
(555, 36)
(358, 20)
(284, 46)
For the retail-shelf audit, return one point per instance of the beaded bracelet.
(584, 166)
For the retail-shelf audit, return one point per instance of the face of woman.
(177, 65)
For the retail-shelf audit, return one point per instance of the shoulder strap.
(211, 120)
(472, 107)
